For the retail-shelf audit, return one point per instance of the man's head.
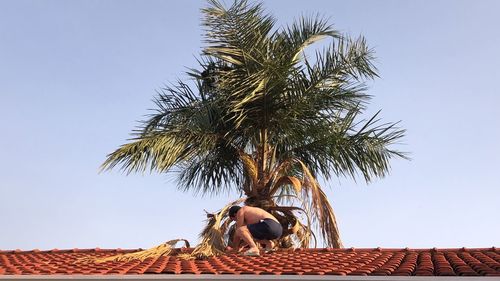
(233, 210)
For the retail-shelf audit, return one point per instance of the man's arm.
(240, 221)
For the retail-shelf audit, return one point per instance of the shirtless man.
(254, 223)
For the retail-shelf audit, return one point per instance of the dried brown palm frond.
(312, 199)
(322, 210)
(303, 237)
(212, 236)
(287, 180)
(164, 249)
(296, 233)
(212, 243)
(250, 166)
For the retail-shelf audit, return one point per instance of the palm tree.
(263, 117)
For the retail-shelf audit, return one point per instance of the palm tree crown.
(262, 117)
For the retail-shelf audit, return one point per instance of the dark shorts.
(266, 229)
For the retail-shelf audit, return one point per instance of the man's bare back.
(254, 223)
(254, 215)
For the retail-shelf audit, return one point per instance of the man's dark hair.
(233, 210)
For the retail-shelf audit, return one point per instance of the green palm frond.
(303, 33)
(344, 150)
(237, 34)
(185, 131)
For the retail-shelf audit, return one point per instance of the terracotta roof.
(375, 262)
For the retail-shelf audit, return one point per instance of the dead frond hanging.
(314, 201)
(212, 237)
(321, 208)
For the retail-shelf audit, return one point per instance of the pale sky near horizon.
(76, 76)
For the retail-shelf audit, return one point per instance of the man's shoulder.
(248, 208)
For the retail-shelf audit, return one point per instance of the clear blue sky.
(76, 76)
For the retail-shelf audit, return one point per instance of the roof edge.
(240, 277)
(352, 249)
